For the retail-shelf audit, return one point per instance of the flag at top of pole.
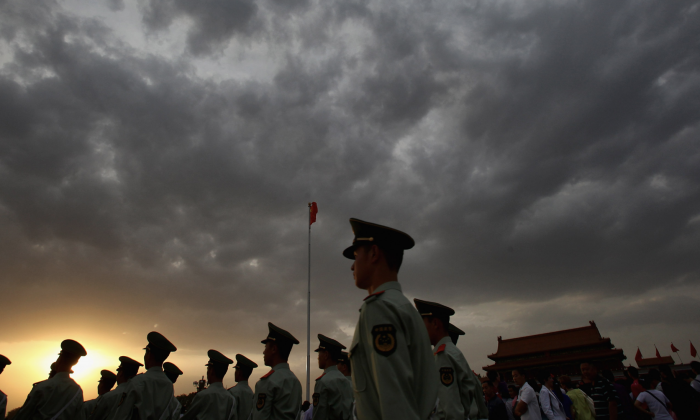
(693, 352)
(674, 349)
(313, 209)
(657, 352)
(638, 356)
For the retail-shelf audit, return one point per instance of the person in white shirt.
(527, 407)
(659, 405)
(551, 406)
(695, 367)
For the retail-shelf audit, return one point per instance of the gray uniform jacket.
(107, 403)
(277, 395)
(213, 403)
(148, 395)
(332, 396)
(458, 385)
(89, 407)
(393, 369)
(48, 398)
(244, 399)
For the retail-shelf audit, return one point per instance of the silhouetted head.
(171, 371)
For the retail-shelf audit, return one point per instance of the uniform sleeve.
(177, 410)
(195, 408)
(387, 348)
(129, 402)
(265, 397)
(27, 410)
(467, 384)
(321, 403)
(478, 397)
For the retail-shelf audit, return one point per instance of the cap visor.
(349, 252)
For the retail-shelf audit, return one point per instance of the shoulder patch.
(440, 349)
(447, 376)
(261, 401)
(384, 339)
(374, 294)
(315, 397)
(267, 375)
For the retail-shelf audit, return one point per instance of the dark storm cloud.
(214, 22)
(533, 152)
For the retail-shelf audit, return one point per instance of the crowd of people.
(660, 394)
(403, 363)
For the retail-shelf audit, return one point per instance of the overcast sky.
(157, 158)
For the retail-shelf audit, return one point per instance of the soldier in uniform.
(4, 361)
(332, 396)
(393, 370)
(242, 392)
(215, 402)
(344, 366)
(149, 396)
(58, 398)
(107, 404)
(104, 385)
(278, 392)
(171, 371)
(459, 388)
(454, 333)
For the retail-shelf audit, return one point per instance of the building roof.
(655, 361)
(587, 336)
(557, 359)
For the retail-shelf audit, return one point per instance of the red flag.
(313, 209)
(693, 352)
(674, 349)
(638, 356)
(657, 352)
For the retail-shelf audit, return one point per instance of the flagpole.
(308, 319)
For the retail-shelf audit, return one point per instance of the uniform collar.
(62, 375)
(154, 369)
(242, 382)
(281, 366)
(390, 285)
(444, 340)
(217, 385)
(330, 369)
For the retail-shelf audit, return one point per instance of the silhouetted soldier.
(104, 385)
(332, 396)
(393, 370)
(215, 402)
(344, 366)
(278, 392)
(107, 404)
(58, 398)
(4, 361)
(454, 333)
(149, 396)
(242, 392)
(171, 371)
(459, 387)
